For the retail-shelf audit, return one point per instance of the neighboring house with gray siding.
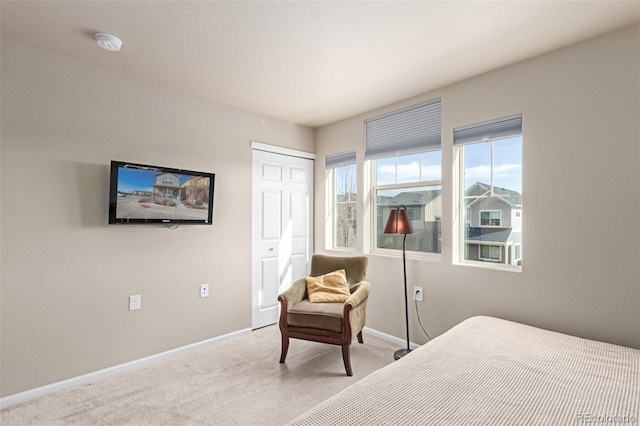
(167, 185)
(424, 209)
(493, 225)
(493, 228)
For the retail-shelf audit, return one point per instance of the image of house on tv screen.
(148, 194)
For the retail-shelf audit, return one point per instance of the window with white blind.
(343, 190)
(489, 160)
(403, 149)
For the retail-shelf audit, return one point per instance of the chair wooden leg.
(347, 358)
(285, 348)
(360, 337)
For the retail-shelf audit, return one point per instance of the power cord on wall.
(167, 226)
(418, 315)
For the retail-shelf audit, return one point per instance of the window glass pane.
(431, 165)
(477, 164)
(423, 203)
(353, 182)
(507, 164)
(424, 208)
(484, 218)
(409, 168)
(386, 171)
(344, 216)
(491, 218)
(492, 200)
(346, 183)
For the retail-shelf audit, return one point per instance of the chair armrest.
(355, 310)
(360, 295)
(294, 294)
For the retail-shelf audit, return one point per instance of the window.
(491, 253)
(490, 217)
(343, 207)
(490, 186)
(344, 219)
(404, 152)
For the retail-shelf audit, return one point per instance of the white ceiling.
(309, 62)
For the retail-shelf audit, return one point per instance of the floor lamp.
(399, 223)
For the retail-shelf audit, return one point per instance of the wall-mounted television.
(146, 194)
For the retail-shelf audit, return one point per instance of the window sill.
(428, 257)
(489, 265)
(341, 250)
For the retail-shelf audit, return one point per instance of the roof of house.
(488, 235)
(513, 198)
(166, 173)
(410, 198)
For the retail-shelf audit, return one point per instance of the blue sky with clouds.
(507, 165)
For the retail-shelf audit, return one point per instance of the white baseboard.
(116, 369)
(393, 339)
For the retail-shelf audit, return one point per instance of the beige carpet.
(234, 382)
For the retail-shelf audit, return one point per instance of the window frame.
(461, 219)
(334, 210)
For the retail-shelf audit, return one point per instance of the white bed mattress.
(487, 371)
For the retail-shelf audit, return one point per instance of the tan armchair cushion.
(331, 287)
(320, 316)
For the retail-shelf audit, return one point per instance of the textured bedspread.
(487, 371)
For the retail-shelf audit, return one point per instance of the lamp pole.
(399, 223)
(402, 352)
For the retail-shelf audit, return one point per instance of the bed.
(488, 371)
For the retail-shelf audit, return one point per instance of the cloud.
(407, 173)
(431, 172)
(504, 176)
(480, 173)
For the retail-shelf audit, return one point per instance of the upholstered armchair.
(329, 322)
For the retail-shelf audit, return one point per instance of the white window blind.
(342, 159)
(407, 131)
(504, 127)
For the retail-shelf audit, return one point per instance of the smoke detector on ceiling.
(108, 42)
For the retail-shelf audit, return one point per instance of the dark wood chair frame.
(344, 341)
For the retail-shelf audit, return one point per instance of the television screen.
(144, 194)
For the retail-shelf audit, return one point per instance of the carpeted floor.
(236, 382)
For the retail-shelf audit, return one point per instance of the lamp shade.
(398, 222)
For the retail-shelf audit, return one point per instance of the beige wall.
(581, 186)
(66, 275)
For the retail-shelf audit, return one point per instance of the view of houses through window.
(403, 150)
(492, 197)
(412, 181)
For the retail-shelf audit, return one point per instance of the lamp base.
(400, 353)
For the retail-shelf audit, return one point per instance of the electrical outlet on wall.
(204, 290)
(417, 293)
